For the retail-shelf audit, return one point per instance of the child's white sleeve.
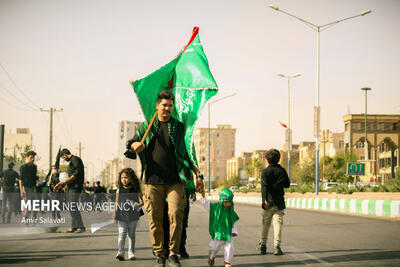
(234, 228)
(206, 203)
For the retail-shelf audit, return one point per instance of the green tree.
(306, 173)
(254, 169)
(19, 156)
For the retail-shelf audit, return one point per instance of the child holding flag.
(222, 226)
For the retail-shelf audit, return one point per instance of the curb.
(380, 208)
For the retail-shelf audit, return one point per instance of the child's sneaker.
(210, 261)
(120, 256)
(131, 256)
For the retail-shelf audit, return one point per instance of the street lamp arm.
(326, 26)
(222, 98)
(303, 20)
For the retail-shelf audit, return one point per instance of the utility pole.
(51, 111)
(80, 149)
(2, 128)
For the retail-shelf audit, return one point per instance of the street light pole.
(289, 129)
(318, 29)
(209, 139)
(366, 155)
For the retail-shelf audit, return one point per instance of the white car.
(233, 188)
(329, 185)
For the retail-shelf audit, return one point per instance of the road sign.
(355, 168)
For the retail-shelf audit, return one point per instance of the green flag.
(190, 79)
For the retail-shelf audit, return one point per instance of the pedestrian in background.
(28, 182)
(74, 187)
(8, 179)
(274, 179)
(128, 204)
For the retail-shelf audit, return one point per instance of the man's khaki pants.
(276, 216)
(154, 199)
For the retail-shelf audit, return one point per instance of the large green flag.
(190, 79)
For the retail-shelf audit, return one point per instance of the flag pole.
(149, 127)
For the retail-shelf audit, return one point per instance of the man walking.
(74, 183)
(9, 178)
(167, 167)
(28, 182)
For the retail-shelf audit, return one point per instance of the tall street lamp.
(289, 129)
(318, 29)
(366, 89)
(209, 139)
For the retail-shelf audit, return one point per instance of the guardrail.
(382, 208)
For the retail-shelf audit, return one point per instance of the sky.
(80, 56)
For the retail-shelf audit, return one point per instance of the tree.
(19, 156)
(255, 168)
(307, 172)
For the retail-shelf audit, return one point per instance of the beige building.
(330, 143)
(383, 136)
(222, 148)
(306, 151)
(236, 164)
(15, 143)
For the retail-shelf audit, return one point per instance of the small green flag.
(190, 79)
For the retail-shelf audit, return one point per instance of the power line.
(68, 139)
(66, 125)
(16, 86)
(19, 100)
(16, 107)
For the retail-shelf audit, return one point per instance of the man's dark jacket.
(28, 175)
(10, 178)
(77, 169)
(273, 179)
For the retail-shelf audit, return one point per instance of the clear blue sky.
(80, 56)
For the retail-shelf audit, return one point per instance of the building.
(15, 143)
(126, 131)
(383, 137)
(330, 143)
(294, 155)
(222, 148)
(236, 165)
(306, 152)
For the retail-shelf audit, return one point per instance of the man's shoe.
(262, 248)
(227, 264)
(278, 251)
(173, 261)
(80, 230)
(71, 230)
(160, 262)
(131, 256)
(120, 256)
(184, 254)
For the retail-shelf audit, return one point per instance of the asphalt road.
(309, 238)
